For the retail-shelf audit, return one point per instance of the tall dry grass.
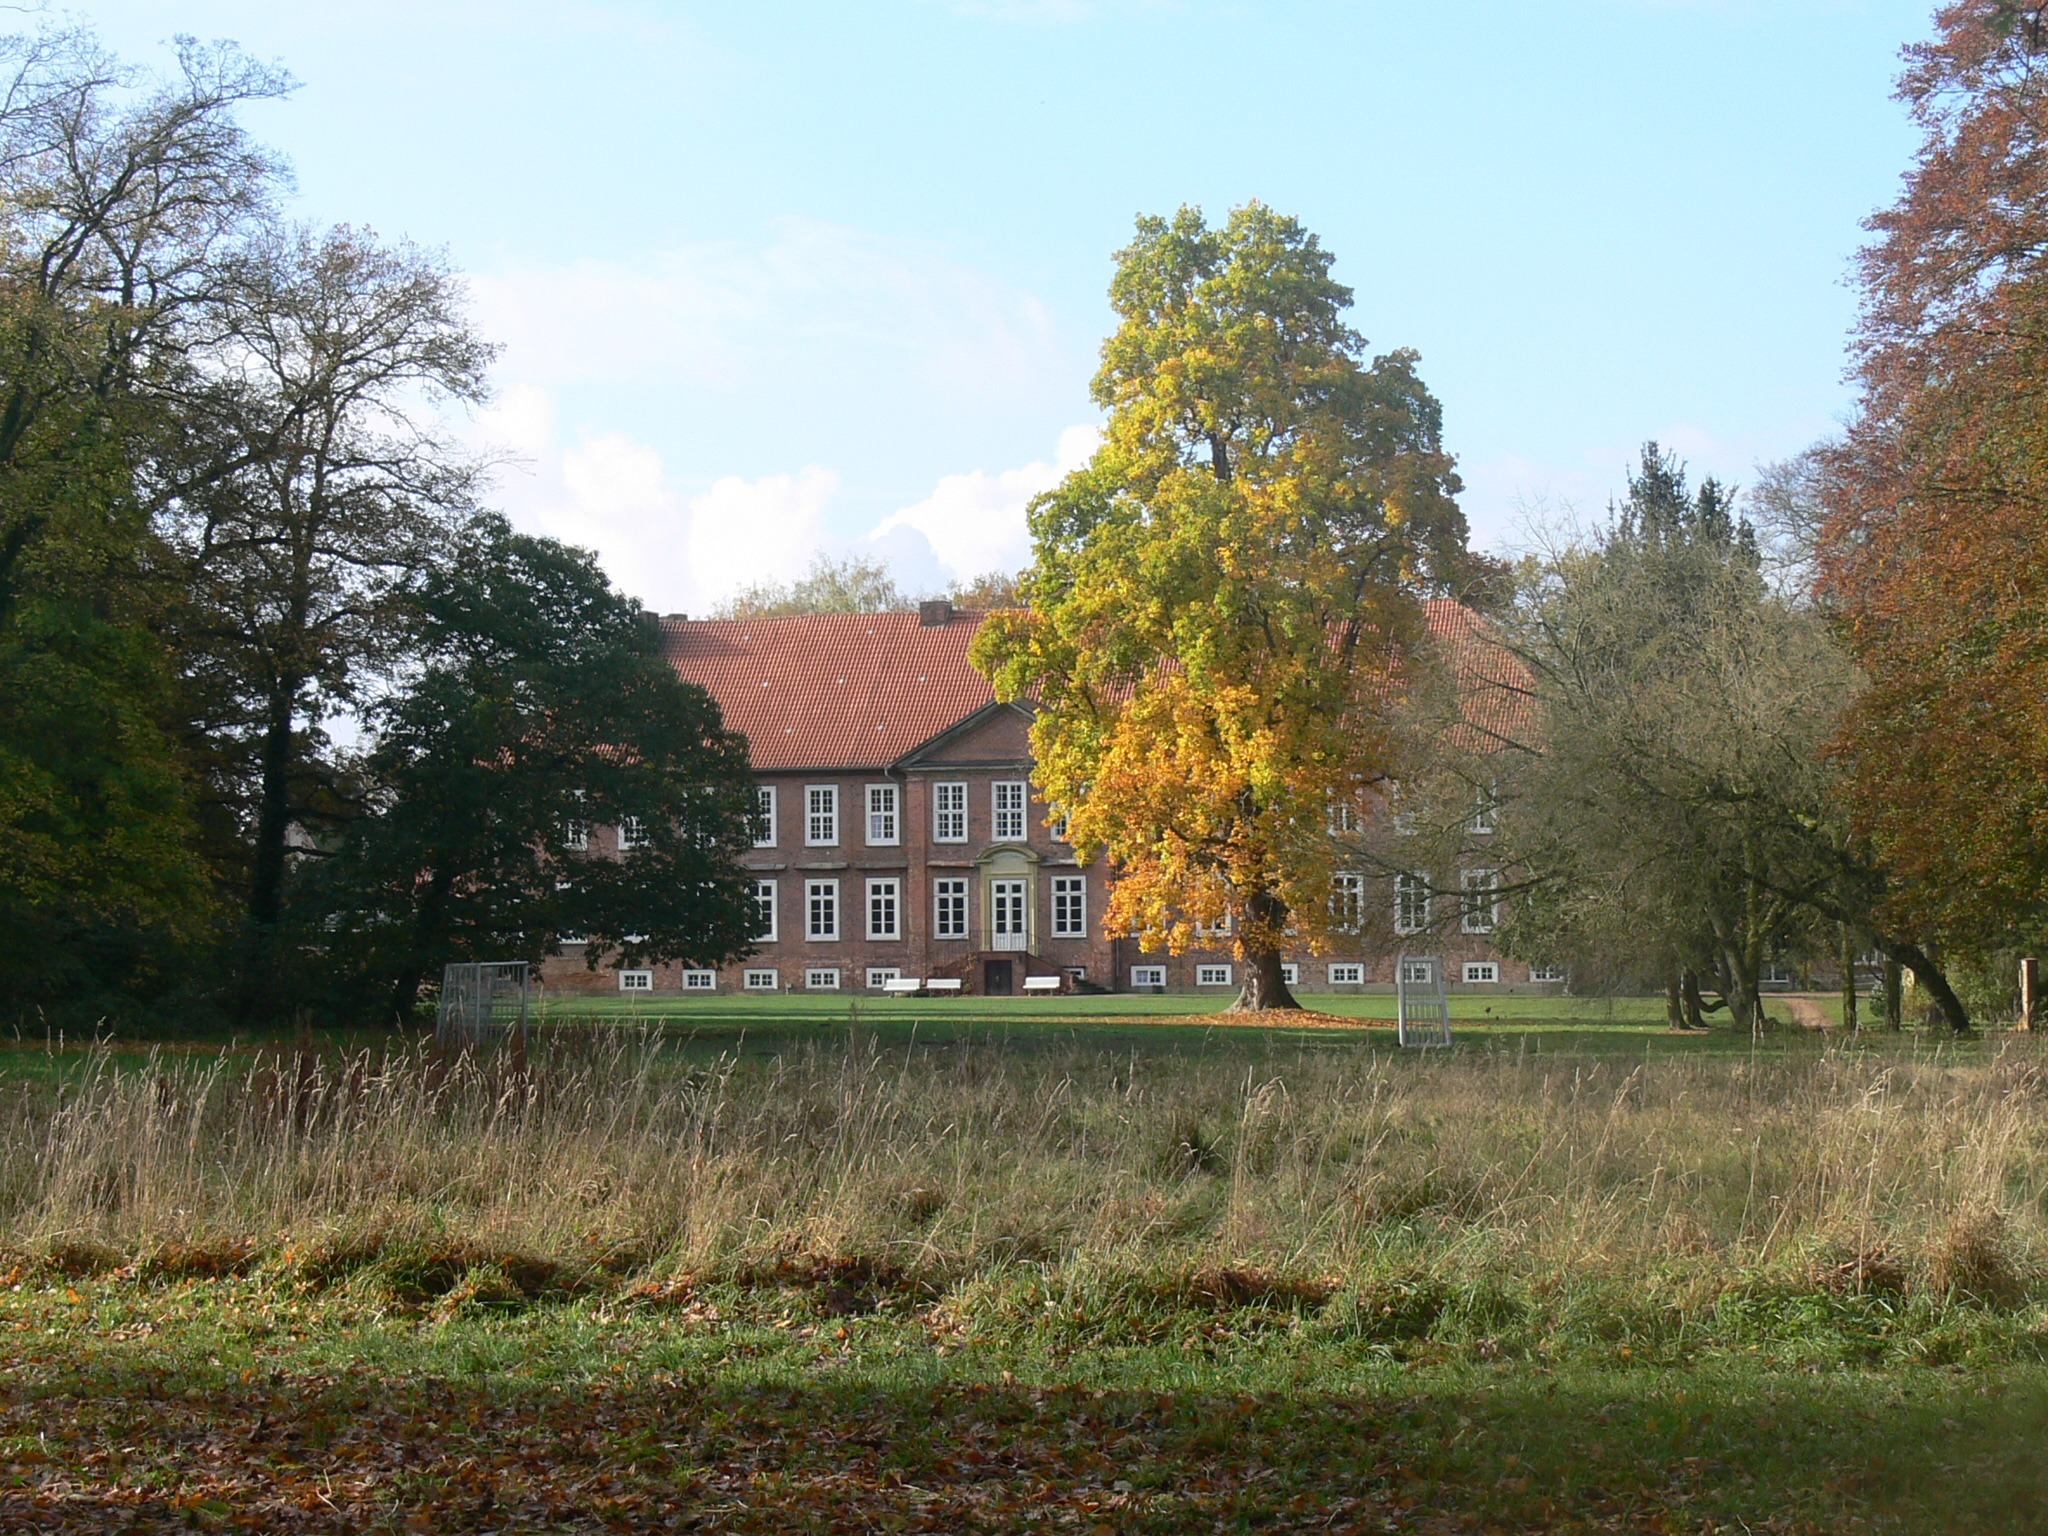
(614, 1158)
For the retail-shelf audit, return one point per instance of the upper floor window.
(1056, 828)
(882, 816)
(821, 815)
(1009, 810)
(949, 813)
(1347, 901)
(764, 816)
(576, 836)
(1411, 903)
(1344, 817)
(632, 833)
(1479, 908)
(1484, 813)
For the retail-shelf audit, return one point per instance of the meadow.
(1068, 1265)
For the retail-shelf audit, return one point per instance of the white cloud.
(975, 522)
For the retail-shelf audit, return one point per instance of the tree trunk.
(1695, 1010)
(258, 992)
(1848, 958)
(1927, 974)
(1894, 993)
(1259, 929)
(1674, 1002)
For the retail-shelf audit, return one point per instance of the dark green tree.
(542, 708)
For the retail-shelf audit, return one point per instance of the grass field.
(1028, 1267)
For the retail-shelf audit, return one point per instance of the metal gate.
(1422, 1013)
(483, 1003)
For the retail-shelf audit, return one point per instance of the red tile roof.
(1496, 694)
(832, 690)
(859, 690)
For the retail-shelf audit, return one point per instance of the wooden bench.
(1044, 983)
(903, 986)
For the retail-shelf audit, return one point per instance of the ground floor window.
(878, 974)
(1212, 975)
(636, 981)
(700, 981)
(1481, 971)
(949, 909)
(1148, 975)
(884, 897)
(822, 978)
(1347, 973)
(761, 981)
(1069, 907)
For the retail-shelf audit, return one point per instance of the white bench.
(1044, 983)
(943, 984)
(902, 986)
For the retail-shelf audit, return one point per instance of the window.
(949, 909)
(576, 836)
(882, 816)
(1148, 975)
(1070, 907)
(636, 981)
(1418, 973)
(885, 902)
(1478, 908)
(1056, 828)
(1483, 813)
(560, 938)
(1212, 975)
(949, 813)
(1290, 973)
(632, 833)
(1478, 972)
(1009, 810)
(1221, 928)
(821, 903)
(1347, 973)
(760, 981)
(822, 978)
(878, 974)
(1347, 901)
(1344, 818)
(1411, 903)
(1404, 814)
(700, 981)
(821, 815)
(1776, 976)
(764, 911)
(1546, 973)
(764, 816)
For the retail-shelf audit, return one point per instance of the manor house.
(899, 836)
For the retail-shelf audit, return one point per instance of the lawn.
(1028, 1265)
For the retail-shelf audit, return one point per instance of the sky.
(777, 278)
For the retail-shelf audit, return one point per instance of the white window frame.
(766, 894)
(949, 811)
(1482, 973)
(700, 981)
(878, 974)
(1290, 973)
(1476, 916)
(1347, 973)
(1347, 900)
(1418, 973)
(1070, 906)
(1214, 975)
(632, 834)
(636, 981)
(821, 978)
(816, 932)
(1413, 899)
(885, 815)
(821, 815)
(945, 891)
(761, 979)
(885, 901)
(1009, 823)
(764, 815)
(1148, 975)
(1546, 973)
(1345, 817)
(1484, 813)
(576, 835)
(1222, 928)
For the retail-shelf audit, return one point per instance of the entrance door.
(996, 979)
(1006, 914)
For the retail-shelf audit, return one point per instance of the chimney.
(934, 613)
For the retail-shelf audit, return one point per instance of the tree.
(1680, 809)
(315, 492)
(1937, 492)
(542, 706)
(853, 584)
(1221, 598)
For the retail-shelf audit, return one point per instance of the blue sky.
(776, 277)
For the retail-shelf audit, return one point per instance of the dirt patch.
(1278, 1018)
